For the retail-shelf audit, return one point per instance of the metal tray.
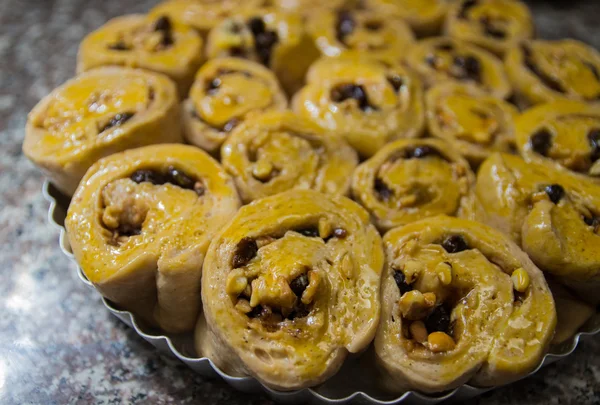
(336, 390)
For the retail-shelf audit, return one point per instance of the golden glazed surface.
(475, 123)
(278, 151)
(444, 59)
(98, 113)
(140, 224)
(564, 133)
(412, 179)
(158, 44)
(424, 16)
(290, 287)
(226, 92)
(551, 213)
(496, 25)
(368, 103)
(543, 71)
(460, 302)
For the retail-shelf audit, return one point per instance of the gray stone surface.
(57, 343)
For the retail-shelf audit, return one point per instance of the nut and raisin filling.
(455, 63)
(496, 20)
(228, 96)
(364, 30)
(87, 109)
(563, 69)
(142, 202)
(443, 283)
(156, 36)
(571, 140)
(421, 177)
(276, 278)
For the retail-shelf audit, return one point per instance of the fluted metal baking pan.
(337, 390)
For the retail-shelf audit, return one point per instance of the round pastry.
(275, 39)
(290, 287)
(202, 15)
(361, 29)
(474, 122)
(279, 151)
(368, 103)
(496, 25)
(542, 71)
(140, 224)
(308, 7)
(157, 44)
(460, 302)
(227, 91)
(554, 215)
(424, 16)
(98, 113)
(441, 59)
(565, 133)
(411, 179)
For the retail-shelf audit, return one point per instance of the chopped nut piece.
(520, 279)
(414, 306)
(430, 299)
(440, 342)
(262, 170)
(418, 331)
(347, 267)
(444, 272)
(243, 306)
(236, 282)
(324, 228)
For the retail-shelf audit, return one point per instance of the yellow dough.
(444, 59)
(563, 133)
(551, 213)
(158, 44)
(496, 25)
(363, 100)
(226, 92)
(95, 114)
(542, 71)
(278, 151)
(424, 16)
(276, 39)
(475, 123)
(291, 286)
(140, 224)
(411, 179)
(460, 303)
(360, 29)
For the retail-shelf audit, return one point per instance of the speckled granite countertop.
(57, 343)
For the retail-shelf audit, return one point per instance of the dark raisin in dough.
(299, 284)
(396, 82)
(164, 26)
(264, 39)
(129, 230)
(352, 91)
(555, 192)
(373, 25)
(591, 221)
(400, 280)
(213, 86)
(469, 68)
(345, 25)
(119, 46)
(541, 142)
(150, 176)
(118, 120)
(419, 152)
(438, 320)
(230, 125)
(448, 47)
(340, 233)
(244, 252)
(490, 29)
(466, 6)
(179, 178)
(455, 244)
(311, 232)
(383, 191)
(594, 139)
(547, 80)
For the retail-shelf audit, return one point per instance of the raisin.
(213, 85)
(438, 320)
(340, 233)
(300, 311)
(256, 25)
(264, 39)
(311, 232)
(594, 140)
(466, 6)
(469, 68)
(299, 284)
(117, 120)
(128, 230)
(150, 176)
(490, 29)
(547, 80)
(447, 47)
(400, 280)
(345, 25)
(420, 152)
(591, 221)
(541, 142)
(119, 46)
(164, 26)
(230, 125)
(373, 25)
(179, 178)
(455, 244)
(555, 192)
(237, 51)
(396, 82)
(245, 251)
(352, 91)
(382, 190)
